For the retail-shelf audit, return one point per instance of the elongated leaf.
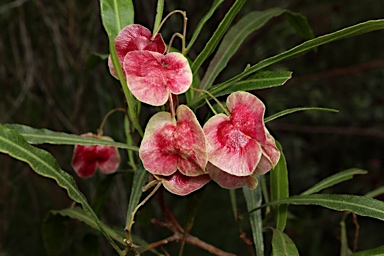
(235, 37)
(376, 192)
(261, 80)
(303, 48)
(13, 144)
(41, 136)
(282, 245)
(202, 22)
(333, 180)
(280, 189)
(378, 251)
(253, 199)
(217, 35)
(300, 24)
(361, 205)
(139, 180)
(293, 110)
(116, 14)
(159, 14)
(79, 214)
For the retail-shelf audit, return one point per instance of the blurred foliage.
(50, 77)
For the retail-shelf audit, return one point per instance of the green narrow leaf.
(253, 199)
(261, 80)
(301, 49)
(55, 244)
(361, 205)
(378, 251)
(293, 110)
(159, 14)
(41, 136)
(376, 192)
(139, 180)
(79, 214)
(43, 163)
(217, 35)
(282, 245)
(116, 14)
(300, 24)
(202, 22)
(232, 41)
(333, 180)
(280, 189)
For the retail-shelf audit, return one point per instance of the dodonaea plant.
(182, 133)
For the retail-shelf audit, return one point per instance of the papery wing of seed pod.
(151, 76)
(132, 38)
(156, 150)
(182, 185)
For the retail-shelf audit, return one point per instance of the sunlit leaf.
(217, 35)
(116, 14)
(301, 49)
(361, 205)
(14, 144)
(202, 22)
(293, 110)
(280, 189)
(282, 245)
(253, 199)
(333, 180)
(41, 136)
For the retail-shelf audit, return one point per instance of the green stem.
(100, 130)
(128, 96)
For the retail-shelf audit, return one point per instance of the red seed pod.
(86, 159)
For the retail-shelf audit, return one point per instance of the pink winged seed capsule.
(175, 151)
(132, 38)
(86, 159)
(239, 143)
(152, 76)
(182, 185)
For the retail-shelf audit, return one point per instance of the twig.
(357, 230)
(179, 234)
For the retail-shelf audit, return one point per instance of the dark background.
(49, 80)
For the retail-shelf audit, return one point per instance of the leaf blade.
(333, 180)
(361, 205)
(358, 29)
(280, 189)
(79, 214)
(202, 22)
(217, 35)
(253, 199)
(293, 110)
(232, 41)
(43, 163)
(115, 15)
(261, 80)
(282, 244)
(41, 136)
